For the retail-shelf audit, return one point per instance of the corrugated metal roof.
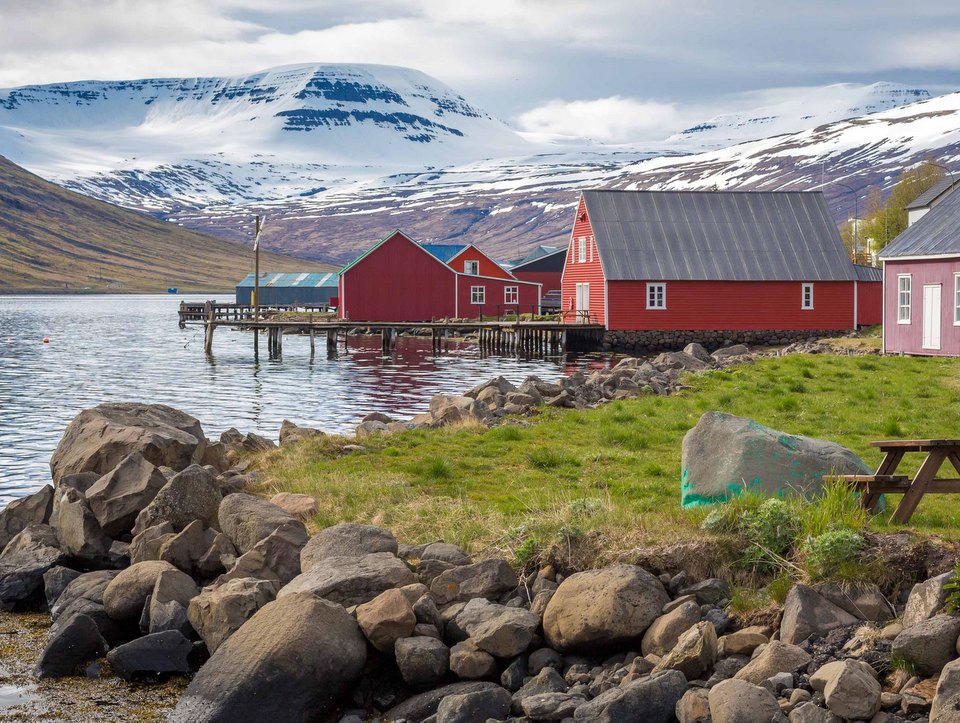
(292, 280)
(716, 236)
(539, 251)
(931, 194)
(868, 273)
(937, 233)
(444, 252)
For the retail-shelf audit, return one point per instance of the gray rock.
(98, 439)
(69, 647)
(648, 700)
(737, 701)
(812, 713)
(275, 557)
(487, 578)
(776, 657)
(929, 644)
(386, 619)
(422, 660)
(32, 537)
(424, 705)
(191, 495)
(146, 545)
(125, 595)
(603, 608)
(117, 498)
(502, 631)
(698, 352)
(851, 692)
(291, 433)
(663, 633)
(446, 552)
(806, 613)
(513, 675)
(711, 591)
(552, 706)
(351, 580)
(171, 596)
(722, 450)
(185, 549)
(55, 581)
(218, 612)
(347, 539)
(694, 653)
(946, 701)
(679, 360)
(77, 529)
(246, 520)
(30, 510)
(21, 574)
(83, 594)
(779, 682)
(863, 600)
(926, 599)
(730, 351)
(154, 654)
(694, 706)
(544, 658)
(546, 681)
(479, 705)
(287, 663)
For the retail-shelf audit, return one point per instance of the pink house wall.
(908, 338)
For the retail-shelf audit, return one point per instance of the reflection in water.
(129, 348)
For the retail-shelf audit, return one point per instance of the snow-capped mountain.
(795, 109)
(293, 131)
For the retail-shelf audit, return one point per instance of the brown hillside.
(54, 239)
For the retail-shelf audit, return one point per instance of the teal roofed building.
(291, 289)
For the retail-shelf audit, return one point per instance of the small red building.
(921, 278)
(544, 265)
(400, 280)
(670, 267)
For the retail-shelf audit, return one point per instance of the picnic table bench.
(871, 486)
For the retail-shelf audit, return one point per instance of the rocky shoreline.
(154, 563)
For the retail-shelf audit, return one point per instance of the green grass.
(600, 483)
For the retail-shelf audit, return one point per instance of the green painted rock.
(724, 456)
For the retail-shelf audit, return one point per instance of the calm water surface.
(129, 348)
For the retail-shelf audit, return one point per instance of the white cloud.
(610, 120)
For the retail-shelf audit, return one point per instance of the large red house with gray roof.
(399, 280)
(669, 267)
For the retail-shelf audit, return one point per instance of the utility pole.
(256, 269)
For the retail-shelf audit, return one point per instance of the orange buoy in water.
(46, 340)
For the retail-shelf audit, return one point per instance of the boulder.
(679, 360)
(126, 594)
(663, 633)
(442, 551)
(712, 591)
(502, 631)
(544, 682)
(171, 595)
(351, 580)
(275, 557)
(863, 600)
(737, 701)
(469, 662)
(246, 520)
(55, 581)
(946, 701)
(31, 537)
(698, 352)
(154, 654)
(302, 507)
(216, 613)
(694, 653)
(118, 497)
(290, 433)
(806, 613)
(852, 692)
(424, 705)
(21, 575)
(84, 595)
(926, 599)
(741, 642)
(422, 660)
(730, 351)
(724, 456)
(147, 544)
(348, 539)
(77, 528)
(185, 549)
(776, 657)
(98, 439)
(812, 713)
(605, 608)
(929, 644)
(487, 578)
(652, 699)
(552, 706)
(544, 658)
(386, 619)
(694, 706)
(30, 510)
(288, 663)
(191, 495)
(480, 705)
(69, 647)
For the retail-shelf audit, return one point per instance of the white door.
(583, 301)
(931, 316)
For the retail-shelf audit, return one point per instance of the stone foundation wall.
(650, 341)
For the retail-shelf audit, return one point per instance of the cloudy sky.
(610, 69)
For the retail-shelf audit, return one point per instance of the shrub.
(549, 459)
(773, 526)
(834, 553)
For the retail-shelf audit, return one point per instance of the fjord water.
(129, 348)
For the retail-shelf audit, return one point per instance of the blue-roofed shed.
(290, 289)
(444, 252)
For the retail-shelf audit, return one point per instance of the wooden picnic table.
(872, 486)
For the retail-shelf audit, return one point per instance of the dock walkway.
(506, 336)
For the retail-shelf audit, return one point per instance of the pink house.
(921, 280)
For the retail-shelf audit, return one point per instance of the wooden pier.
(516, 337)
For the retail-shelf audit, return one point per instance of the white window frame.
(478, 295)
(904, 318)
(655, 290)
(956, 299)
(511, 294)
(572, 255)
(806, 304)
(582, 249)
(590, 245)
(471, 268)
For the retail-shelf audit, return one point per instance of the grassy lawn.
(611, 475)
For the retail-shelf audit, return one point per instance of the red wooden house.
(544, 265)
(400, 280)
(921, 279)
(696, 263)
